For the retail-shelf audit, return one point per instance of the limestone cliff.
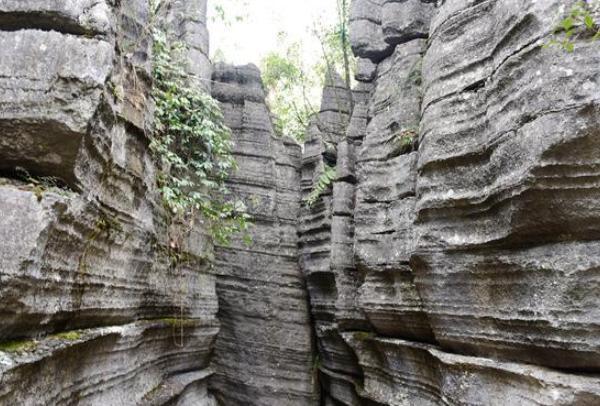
(454, 260)
(264, 352)
(465, 201)
(92, 309)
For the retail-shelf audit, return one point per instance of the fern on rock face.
(323, 183)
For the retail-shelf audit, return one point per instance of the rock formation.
(264, 352)
(454, 260)
(92, 309)
(466, 184)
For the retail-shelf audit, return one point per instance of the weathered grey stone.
(74, 104)
(185, 22)
(365, 70)
(479, 237)
(385, 204)
(119, 365)
(366, 33)
(184, 389)
(50, 89)
(393, 305)
(341, 389)
(394, 108)
(506, 183)
(450, 270)
(326, 240)
(64, 268)
(90, 17)
(264, 353)
(226, 81)
(405, 20)
(399, 373)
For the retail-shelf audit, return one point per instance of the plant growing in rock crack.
(40, 185)
(404, 141)
(18, 346)
(323, 183)
(193, 146)
(580, 22)
(337, 54)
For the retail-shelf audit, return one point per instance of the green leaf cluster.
(404, 140)
(335, 46)
(18, 346)
(192, 145)
(293, 86)
(323, 183)
(229, 12)
(579, 16)
(290, 90)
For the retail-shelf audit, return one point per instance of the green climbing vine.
(580, 22)
(193, 146)
(323, 183)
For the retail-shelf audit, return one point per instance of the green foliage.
(363, 335)
(42, 184)
(280, 70)
(335, 45)
(323, 183)
(337, 57)
(289, 94)
(178, 323)
(293, 89)
(18, 346)
(67, 336)
(228, 11)
(580, 21)
(404, 141)
(106, 225)
(193, 146)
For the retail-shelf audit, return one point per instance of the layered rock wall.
(93, 309)
(89, 283)
(454, 260)
(264, 352)
(464, 207)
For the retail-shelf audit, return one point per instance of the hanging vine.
(323, 183)
(193, 146)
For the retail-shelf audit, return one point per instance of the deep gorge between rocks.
(464, 270)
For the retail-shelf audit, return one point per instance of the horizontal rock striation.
(119, 365)
(507, 259)
(326, 238)
(453, 260)
(363, 281)
(467, 185)
(264, 352)
(88, 284)
(385, 205)
(399, 372)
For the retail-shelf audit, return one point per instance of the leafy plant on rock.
(404, 140)
(580, 21)
(193, 146)
(323, 183)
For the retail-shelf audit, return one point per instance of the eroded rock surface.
(467, 184)
(506, 263)
(264, 352)
(453, 261)
(93, 311)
